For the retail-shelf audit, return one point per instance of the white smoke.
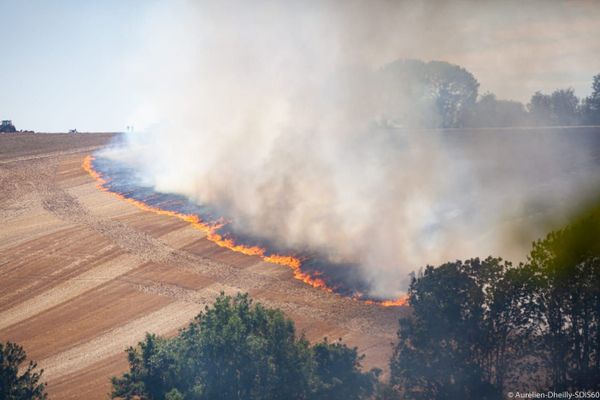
(274, 112)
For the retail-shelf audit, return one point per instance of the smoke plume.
(278, 114)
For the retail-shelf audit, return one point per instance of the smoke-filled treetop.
(446, 96)
(445, 93)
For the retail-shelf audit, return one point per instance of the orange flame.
(211, 234)
(399, 302)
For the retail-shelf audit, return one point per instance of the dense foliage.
(481, 328)
(25, 385)
(455, 344)
(565, 272)
(240, 350)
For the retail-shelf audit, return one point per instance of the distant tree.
(454, 90)
(559, 108)
(440, 94)
(590, 107)
(459, 342)
(19, 386)
(403, 88)
(540, 109)
(240, 350)
(565, 107)
(491, 112)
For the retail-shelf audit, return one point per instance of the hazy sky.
(73, 64)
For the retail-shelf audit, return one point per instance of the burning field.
(355, 214)
(418, 179)
(92, 258)
(117, 179)
(478, 215)
(86, 274)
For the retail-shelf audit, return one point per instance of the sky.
(74, 64)
(65, 64)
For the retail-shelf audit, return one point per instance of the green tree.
(466, 318)
(566, 269)
(240, 350)
(480, 324)
(338, 375)
(590, 107)
(15, 386)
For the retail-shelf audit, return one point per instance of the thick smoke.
(276, 113)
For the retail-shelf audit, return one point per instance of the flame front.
(211, 234)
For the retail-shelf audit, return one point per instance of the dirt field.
(84, 275)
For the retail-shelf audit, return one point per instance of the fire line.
(294, 263)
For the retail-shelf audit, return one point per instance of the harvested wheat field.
(84, 275)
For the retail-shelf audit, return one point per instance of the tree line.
(438, 94)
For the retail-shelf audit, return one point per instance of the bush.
(240, 350)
